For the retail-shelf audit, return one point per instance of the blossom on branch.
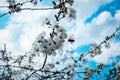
(71, 13)
(52, 43)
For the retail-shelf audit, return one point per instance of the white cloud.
(4, 37)
(102, 18)
(117, 16)
(85, 8)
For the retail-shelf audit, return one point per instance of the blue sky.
(95, 19)
(3, 21)
(111, 7)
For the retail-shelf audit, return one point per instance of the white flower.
(50, 42)
(94, 45)
(62, 35)
(71, 13)
(86, 68)
(107, 45)
(40, 37)
(51, 65)
(46, 21)
(55, 26)
(56, 39)
(84, 60)
(116, 36)
(99, 52)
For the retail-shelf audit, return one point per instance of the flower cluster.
(65, 10)
(54, 42)
(88, 73)
(95, 50)
(14, 6)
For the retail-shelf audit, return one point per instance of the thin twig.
(27, 9)
(39, 69)
(37, 9)
(4, 14)
(44, 61)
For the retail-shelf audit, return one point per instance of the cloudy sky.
(95, 19)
